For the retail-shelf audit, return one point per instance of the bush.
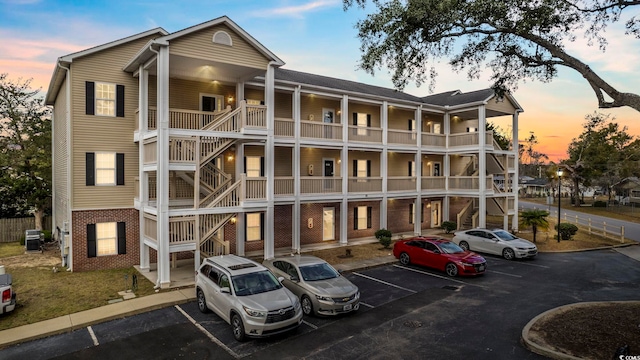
(599, 203)
(384, 237)
(22, 240)
(567, 231)
(448, 226)
(47, 235)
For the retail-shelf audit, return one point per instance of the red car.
(440, 254)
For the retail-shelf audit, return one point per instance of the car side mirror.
(294, 278)
(225, 290)
(436, 251)
(280, 278)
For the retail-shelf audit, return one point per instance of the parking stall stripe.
(440, 277)
(93, 336)
(207, 333)
(384, 282)
(367, 305)
(519, 262)
(309, 325)
(503, 273)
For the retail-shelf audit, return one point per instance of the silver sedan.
(321, 288)
(498, 242)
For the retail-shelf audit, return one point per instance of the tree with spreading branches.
(516, 39)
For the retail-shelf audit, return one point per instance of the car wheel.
(238, 327)
(307, 305)
(202, 302)
(451, 269)
(464, 245)
(508, 254)
(405, 259)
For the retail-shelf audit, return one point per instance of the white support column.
(296, 171)
(143, 108)
(344, 169)
(163, 167)
(446, 168)
(384, 164)
(418, 170)
(269, 152)
(516, 174)
(240, 220)
(482, 167)
(239, 93)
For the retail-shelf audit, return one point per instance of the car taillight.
(6, 296)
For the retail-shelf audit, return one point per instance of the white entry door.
(436, 213)
(328, 224)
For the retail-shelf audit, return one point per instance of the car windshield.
(450, 248)
(505, 235)
(317, 272)
(255, 283)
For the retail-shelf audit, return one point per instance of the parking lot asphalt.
(406, 311)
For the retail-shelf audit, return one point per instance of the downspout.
(64, 258)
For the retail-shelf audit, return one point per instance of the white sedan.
(497, 241)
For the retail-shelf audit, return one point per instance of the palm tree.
(536, 219)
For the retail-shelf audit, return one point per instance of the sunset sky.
(311, 36)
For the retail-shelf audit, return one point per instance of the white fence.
(592, 227)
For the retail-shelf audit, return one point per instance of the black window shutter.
(355, 119)
(369, 213)
(120, 100)
(119, 169)
(355, 218)
(410, 125)
(90, 97)
(91, 240)
(245, 165)
(262, 226)
(409, 169)
(355, 168)
(422, 213)
(262, 166)
(368, 168)
(411, 216)
(91, 169)
(122, 238)
(368, 120)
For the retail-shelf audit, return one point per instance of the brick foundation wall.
(455, 206)
(283, 226)
(375, 219)
(398, 215)
(315, 212)
(80, 219)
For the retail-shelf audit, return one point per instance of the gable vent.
(222, 37)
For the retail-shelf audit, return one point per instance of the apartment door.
(436, 214)
(328, 224)
(328, 118)
(329, 165)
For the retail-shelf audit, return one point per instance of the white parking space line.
(503, 273)
(93, 336)
(384, 282)
(207, 333)
(519, 263)
(439, 276)
(309, 325)
(367, 305)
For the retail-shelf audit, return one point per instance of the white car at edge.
(497, 242)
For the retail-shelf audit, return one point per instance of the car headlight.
(296, 304)
(465, 263)
(357, 296)
(324, 298)
(254, 313)
(522, 248)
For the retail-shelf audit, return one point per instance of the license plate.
(480, 268)
(347, 307)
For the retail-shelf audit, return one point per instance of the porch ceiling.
(204, 70)
(473, 114)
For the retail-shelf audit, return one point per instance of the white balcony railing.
(255, 188)
(182, 229)
(369, 184)
(365, 134)
(283, 185)
(433, 183)
(401, 183)
(434, 140)
(284, 127)
(469, 182)
(402, 137)
(320, 185)
(319, 130)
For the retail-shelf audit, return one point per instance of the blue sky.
(312, 36)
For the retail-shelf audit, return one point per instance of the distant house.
(533, 187)
(628, 190)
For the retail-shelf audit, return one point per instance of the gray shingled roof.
(450, 98)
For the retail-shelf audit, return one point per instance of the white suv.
(246, 295)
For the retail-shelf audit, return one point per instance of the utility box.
(32, 239)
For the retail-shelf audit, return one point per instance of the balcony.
(245, 116)
(365, 134)
(181, 150)
(369, 184)
(433, 183)
(284, 127)
(470, 139)
(318, 130)
(320, 185)
(466, 183)
(434, 140)
(401, 183)
(402, 137)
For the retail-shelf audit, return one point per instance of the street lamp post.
(559, 172)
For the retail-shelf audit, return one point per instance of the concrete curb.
(590, 249)
(548, 352)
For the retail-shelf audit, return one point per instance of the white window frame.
(98, 169)
(105, 99)
(251, 170)
(219, 101)
(106, 239)
(362, 218)
(254, 231)
(361, 171)
(413, 168)
(361, 123)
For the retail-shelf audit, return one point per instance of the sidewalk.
(130, 307)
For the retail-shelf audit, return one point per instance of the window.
(104, 168)
(254, 226)
(411, 169)
(104, 99)
(362, 217)
(361, 168)
(254, 166)
(472, 129)
(429, 246)
(106, 239)
(362, 121)
(210, 102)
(222, 37)
(412, 128)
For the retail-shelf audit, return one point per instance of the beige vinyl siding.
(315, 157)
(283, 105)
(398, 164)
(433, 118)
(254, 94)
(200, 45)
(314, 105)
(504, 106)
(373, 110)
(61, 157)
(431, 158)
(399, 118)
(458, 164)
(251, 150)
(185, 94)
(283, 161)
(93, 133)
(366, 155)
(229, 162)
(461, 126)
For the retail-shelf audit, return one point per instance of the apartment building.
(197, 143)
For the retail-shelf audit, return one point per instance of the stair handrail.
(235, 126)
(218, 199)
